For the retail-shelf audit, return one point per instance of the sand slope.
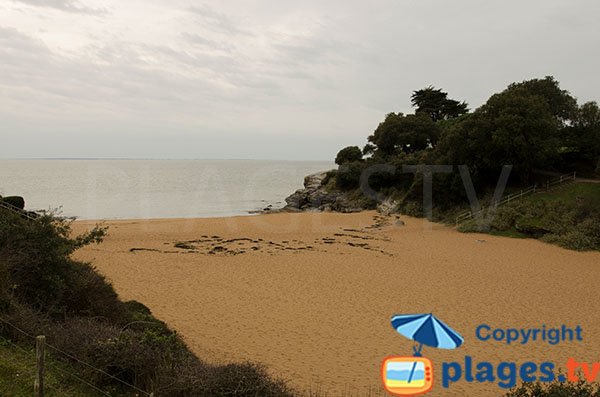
(310, 295)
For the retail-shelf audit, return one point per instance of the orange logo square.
(407, 376)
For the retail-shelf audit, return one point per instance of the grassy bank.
(17, 366)
(568, 216)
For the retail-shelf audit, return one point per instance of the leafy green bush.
(348, 175)
(44, 291)
(555, 389)
(348, 154)
(38, 270)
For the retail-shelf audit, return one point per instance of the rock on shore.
(317, 197)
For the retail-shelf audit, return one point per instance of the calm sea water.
(127, 189)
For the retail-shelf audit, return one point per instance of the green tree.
(435, 104)
(348, 154)
(560, 102)
(514, 128)
(583, 136)
(399, 133)
(523, 131)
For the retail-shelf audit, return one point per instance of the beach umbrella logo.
(410, 376)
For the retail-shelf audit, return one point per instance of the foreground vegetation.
(17, 375)
(556, 389)
(530, 126)
(44, 292)
(567, 216)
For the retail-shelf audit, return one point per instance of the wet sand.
(310, 295)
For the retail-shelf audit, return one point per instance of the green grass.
(17, 374)
(589, 192)
(568, 216)
(574, 194)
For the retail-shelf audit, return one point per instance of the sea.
(149, 189)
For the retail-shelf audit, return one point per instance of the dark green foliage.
(569, 218)
(348, 175)
(15, 201)
(532, 125)
(403, 134)
(348, 154)
(35, 258)
(44, 291)
(556, 389)
(560, 102)
(582, 140)
(435, 104)
(523, 126)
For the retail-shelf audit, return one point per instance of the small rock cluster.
(316, 197)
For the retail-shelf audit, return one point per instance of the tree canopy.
(348, 154)
(403, 134)
(534, 124)
(435, 104)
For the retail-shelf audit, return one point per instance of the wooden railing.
(559, 180)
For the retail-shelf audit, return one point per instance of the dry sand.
(310, 295)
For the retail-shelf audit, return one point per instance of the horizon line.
(153, 159)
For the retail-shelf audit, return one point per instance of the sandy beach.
(310, 295)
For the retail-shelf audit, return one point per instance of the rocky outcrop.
(317, 197)
(313, 196)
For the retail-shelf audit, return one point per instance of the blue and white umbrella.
(428, 330)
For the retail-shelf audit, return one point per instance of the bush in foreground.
(556, 389)
(44, 292)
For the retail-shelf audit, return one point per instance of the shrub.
(348, 175)
(35, 261)
(412, 208)
(348, 154)
(555, 389)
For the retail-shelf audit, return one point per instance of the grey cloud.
(322, 69)
(217, 20)
(206, 43)
(65, 5)
(125, 84)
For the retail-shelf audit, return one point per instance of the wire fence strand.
(79, 361)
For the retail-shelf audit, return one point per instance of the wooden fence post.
(40, 345)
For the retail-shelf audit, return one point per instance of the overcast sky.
(264, 79)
